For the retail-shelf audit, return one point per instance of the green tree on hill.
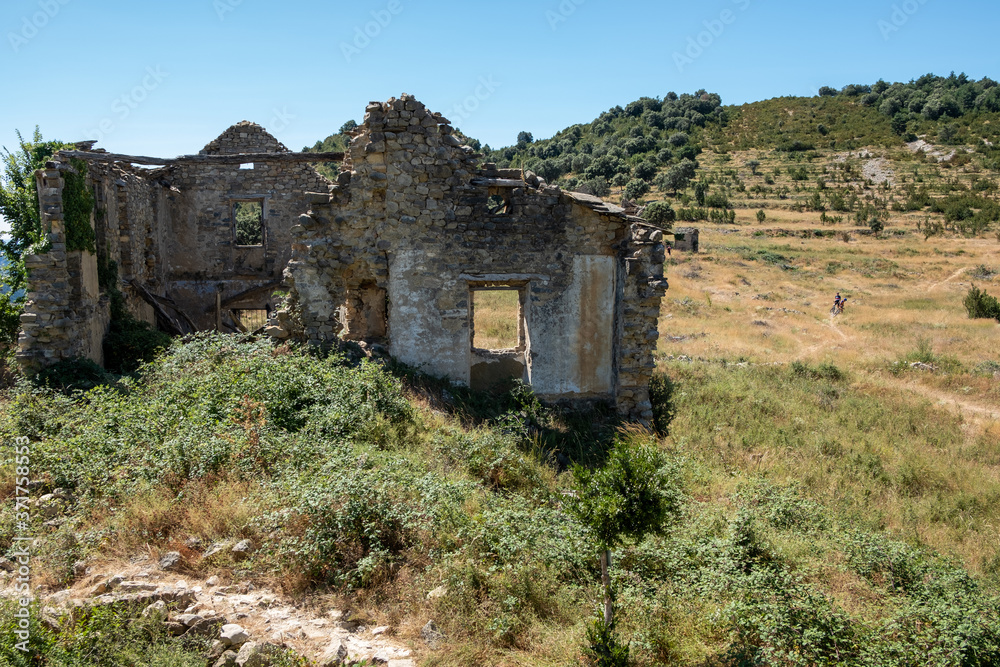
(660, 214)
(677, 177)
(635, 494)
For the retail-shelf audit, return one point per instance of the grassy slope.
(816, 505)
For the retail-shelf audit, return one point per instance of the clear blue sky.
(166, 78)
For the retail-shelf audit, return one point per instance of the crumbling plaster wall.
(128, 232)
(410, 219)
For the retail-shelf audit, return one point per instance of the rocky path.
(250, 625)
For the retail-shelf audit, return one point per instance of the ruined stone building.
(393, 254)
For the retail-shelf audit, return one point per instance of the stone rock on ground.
(170, 560)
(206, 627)
(257, 655)
(175, 629)
(233, 635)
(335, 655)
(227, 659)
(438, 593)
(431, 634)
(215, 549)
(243, 550)
(156, 610)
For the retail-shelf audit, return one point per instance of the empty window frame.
(497, 318)
(499, 202)
(248, 219)
(252, 320)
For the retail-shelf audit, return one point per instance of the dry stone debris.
(170, 560)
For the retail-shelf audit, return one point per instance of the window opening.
(249, 217)
(251, 320)
(499, 202)
(496, 321)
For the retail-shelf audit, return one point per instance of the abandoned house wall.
(391, 254)
(686, 239)
(67, 310)
(411, 224)
(127, 231)
(201, 253)
(65, 315)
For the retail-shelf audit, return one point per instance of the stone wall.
(203, 263)
(411, 224)
(128, 231)
(686, 239)
(65, 315)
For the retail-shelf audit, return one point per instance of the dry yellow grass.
(736, 301)
(497, 313)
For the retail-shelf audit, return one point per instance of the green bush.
(130, 343)
(73, 375)
(603, 648)
(661, 214)
(97, 637)
(661, 395)
(980, 305)
(78, 206)
(825, 371)
(636, 189)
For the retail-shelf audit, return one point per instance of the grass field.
(751, 303)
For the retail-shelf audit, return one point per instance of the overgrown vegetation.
(78, 206)
(129, 342)
(99, 637)
(346, 485)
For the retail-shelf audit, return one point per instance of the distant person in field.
(669, 249)
(837, 300)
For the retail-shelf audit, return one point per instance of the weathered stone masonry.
(391, 254)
